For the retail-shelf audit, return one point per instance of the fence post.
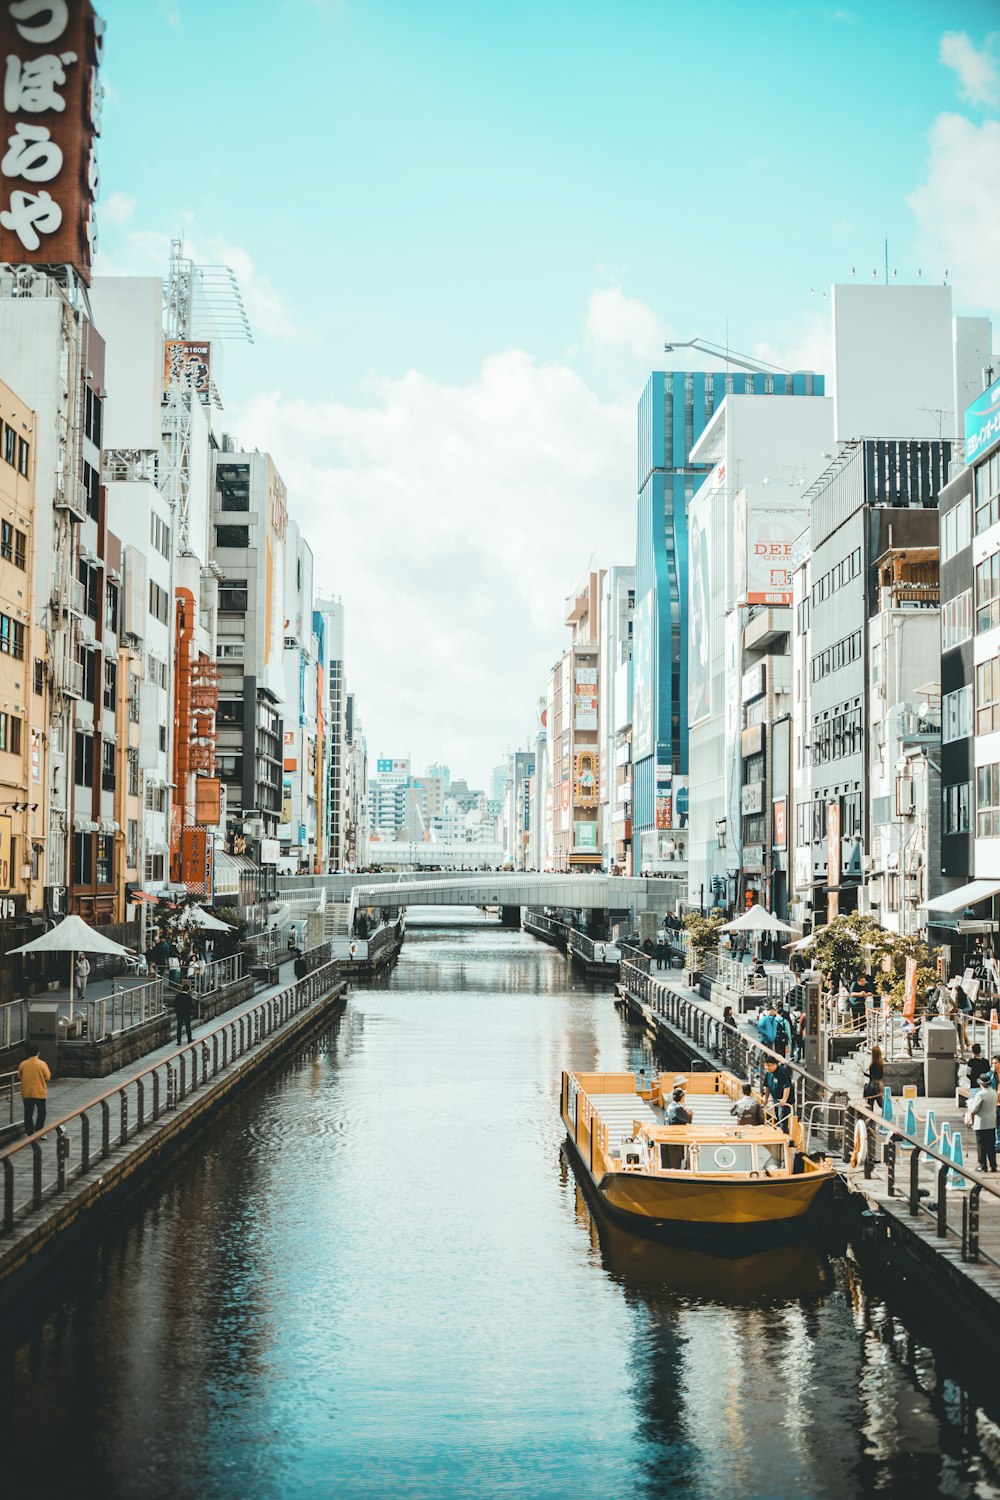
(105, 1128)
(942, 1199)
(123, 1116)
(8, 1195)
(36, 1174)
(140, 1104)
(84, 1142)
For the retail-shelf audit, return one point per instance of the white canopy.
(756, 919)
(800, 943)
(197, 916)
(71, 935)
(962, 896)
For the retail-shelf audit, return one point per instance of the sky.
(463, 233)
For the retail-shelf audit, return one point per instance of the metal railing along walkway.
(956, 1210)
(76, 1145)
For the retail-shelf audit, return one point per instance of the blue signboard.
(982, 423)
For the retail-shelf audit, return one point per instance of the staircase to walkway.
(336, 919)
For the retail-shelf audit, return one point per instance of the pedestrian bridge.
(491, 888)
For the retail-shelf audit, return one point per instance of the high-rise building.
(329, 616)
(674, 410)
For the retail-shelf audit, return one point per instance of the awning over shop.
(962, 896)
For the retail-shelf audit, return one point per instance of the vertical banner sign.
(51, 119)
(910, 990)
(188, 363)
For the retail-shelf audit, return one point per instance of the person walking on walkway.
(182, 1009)
(874, 1079)
(982, 1116)
(81, 976)
(33, 1075)
(773, 1031)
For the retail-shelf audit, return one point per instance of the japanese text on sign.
(52, 99)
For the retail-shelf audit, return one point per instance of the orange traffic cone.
(994, 1022)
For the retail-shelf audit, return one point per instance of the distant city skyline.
(463, 238)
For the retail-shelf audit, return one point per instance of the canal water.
(376, 1275)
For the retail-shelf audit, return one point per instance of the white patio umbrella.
(197, 916)
(72, 936)
(756, 919)
(800, 943)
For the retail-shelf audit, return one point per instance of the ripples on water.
(377, 1275)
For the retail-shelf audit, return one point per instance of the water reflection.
(377, 1274)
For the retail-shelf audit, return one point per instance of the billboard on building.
(779, 822)
(585, 702)
(197, 853)
(584, 835)
(763, 542)
(982, 423)
(663, 805)
(52, 118)
(274, 582)
(188, 363)
(642, 678)
(699, 613)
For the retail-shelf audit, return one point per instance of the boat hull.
(669, 1208)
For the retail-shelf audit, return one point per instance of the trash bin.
(44, 1030)
(940, 1067)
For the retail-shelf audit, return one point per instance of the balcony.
(70, 681)
(766, 627)
(71, 497)
(909, 579)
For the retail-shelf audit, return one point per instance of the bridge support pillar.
(510, 916)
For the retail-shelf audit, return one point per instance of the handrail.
(216, 1049)
(738, 1052)
(7, 1028)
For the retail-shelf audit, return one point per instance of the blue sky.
(466, 222)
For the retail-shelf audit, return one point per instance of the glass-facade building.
(674, 410)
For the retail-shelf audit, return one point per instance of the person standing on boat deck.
(778, 1082)
(747, 1109)
(676, 1114)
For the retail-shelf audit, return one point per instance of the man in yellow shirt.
(34, 1078)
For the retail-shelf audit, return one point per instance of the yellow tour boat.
(712, 1177)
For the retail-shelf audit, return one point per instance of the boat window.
(773, 1158)
(727, 1157)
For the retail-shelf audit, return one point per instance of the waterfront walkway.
(100, 1131)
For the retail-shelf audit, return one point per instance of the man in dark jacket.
(182, 1009)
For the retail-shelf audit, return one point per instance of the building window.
(233, 595)
(83, 858)
(92, 416)
(10, 446)
(11, 638)
(956, 620)
(108, 765)
(154, 867)
(83, 759)
(955, 807)
(133, 698)
(956, 529)
(132, 843)
(105, 859)
(111, 608)
(236, 538)
(91, 580)
(23, 457)
(987, 700)
(892, 890)
(159, 535)
(233, 484)
(988, 493)
(10, 733)
(988, 593)
(39, 678)
(92, 485)
(956, 714)
(159, 601)
(110, 683)
(132, 761)
(988, 801)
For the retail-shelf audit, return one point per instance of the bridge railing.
(955, 1208)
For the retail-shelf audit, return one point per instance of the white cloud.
(117, 208)
(810, 347)
(618, 321)
(454, 520)
(977, 69)
(145, 252)
(956, 208)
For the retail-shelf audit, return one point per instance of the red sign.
(910, 990)
(52, 115)
(779, 822)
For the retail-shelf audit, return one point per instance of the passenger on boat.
(748, 1110)
(676, 1114)
(778, 1083)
